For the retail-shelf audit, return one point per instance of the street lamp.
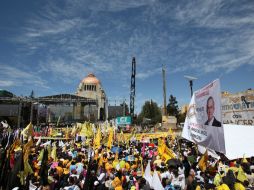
(191, 79)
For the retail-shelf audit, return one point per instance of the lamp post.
(191, 79)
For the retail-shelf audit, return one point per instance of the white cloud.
(110, 6)
(191, 36)
(4, 83)
(18, 77)
(148, 73)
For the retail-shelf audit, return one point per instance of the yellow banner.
(142, 136)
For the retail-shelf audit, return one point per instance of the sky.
(49, 46)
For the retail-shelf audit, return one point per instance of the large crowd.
(126, 165)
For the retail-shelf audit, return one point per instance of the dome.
(91, 79)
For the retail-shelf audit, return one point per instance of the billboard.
(238, 108)
(123, 120)
(203, 120)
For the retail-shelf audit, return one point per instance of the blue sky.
(49, 46)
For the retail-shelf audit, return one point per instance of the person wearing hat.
(59, 169)
(117, 184)
(71, 185)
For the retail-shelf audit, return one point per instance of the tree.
(125, 108)
(181, 117)
(150, 110)
(172, 107)
(32, 94)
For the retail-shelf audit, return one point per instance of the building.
(90, 87)
(238, 108)
(89, 103)
(115, 111)
(184, 108)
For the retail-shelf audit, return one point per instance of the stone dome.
(90, 79)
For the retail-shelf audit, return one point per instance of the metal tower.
(132, 94)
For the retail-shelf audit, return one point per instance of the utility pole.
(124, 107)
(164, 92)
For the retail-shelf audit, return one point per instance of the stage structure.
(88, 104)
(32, 108)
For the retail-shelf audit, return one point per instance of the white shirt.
(210, 123)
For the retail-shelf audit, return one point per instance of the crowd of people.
(131, 164)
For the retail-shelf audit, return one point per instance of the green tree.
(150, 110)
(172, 107)
(181, 117)
(32, 94)
(125, 108)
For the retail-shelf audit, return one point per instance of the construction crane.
(132, 94)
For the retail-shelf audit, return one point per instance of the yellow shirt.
(223, 187)
(239, 186)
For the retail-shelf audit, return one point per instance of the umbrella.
(129, 158)
(116, 149)
(173, 162)
(54, 164)
(191, 159)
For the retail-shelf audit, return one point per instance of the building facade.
(91, 87)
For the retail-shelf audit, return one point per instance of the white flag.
(156, 182)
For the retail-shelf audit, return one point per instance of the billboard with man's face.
(203, 120)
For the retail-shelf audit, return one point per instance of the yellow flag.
(241, 175)
(165, 152)
(53, 153)
(73, 131)
(110, 138)
(67, 132)
(239, 186)
(58, 120)
(172, 134)
(169, 152)
(161, 147)
(97, 140)
(116, 156)
(122, 136)
(203, 161)
(83, 131)
(28, 131)
(40, 155)
(100, 161)
(15, 145)
(27, 168)
(244, 160)
(27, 149)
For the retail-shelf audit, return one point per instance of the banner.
(238, 108)
(123, 120)
(203, 120)
(239, 140)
